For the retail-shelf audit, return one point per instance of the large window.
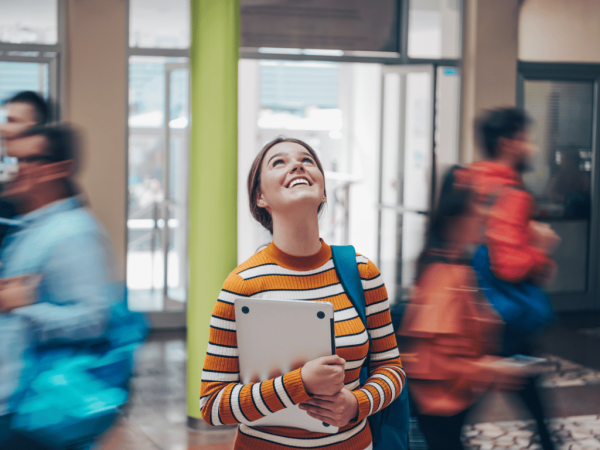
(376, 134)
(304, 100)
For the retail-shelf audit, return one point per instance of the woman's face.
(290, 178)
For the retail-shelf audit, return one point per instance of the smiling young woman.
(286, 188)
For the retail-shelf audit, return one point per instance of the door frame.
(587, 73)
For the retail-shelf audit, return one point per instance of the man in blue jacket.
(55, 272)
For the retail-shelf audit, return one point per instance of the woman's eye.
(308, 160)
(277, 162)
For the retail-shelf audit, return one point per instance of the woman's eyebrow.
(276, 155)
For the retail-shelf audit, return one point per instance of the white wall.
(560, 31)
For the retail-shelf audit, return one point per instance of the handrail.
(400, 209)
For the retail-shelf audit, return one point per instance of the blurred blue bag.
(78, 390)
(524, 306)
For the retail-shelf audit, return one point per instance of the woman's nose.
(298, 166)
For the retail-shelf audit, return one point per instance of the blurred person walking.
(59, 304)
(514, 260)
(449, 335)
(24, 110)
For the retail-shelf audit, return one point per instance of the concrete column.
(95, 102)
(489, 72)
(214, 57)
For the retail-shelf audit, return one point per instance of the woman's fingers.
(313, 409)
(321, 418)
(326, 398)
(319, 402)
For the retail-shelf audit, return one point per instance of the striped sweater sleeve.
(223, 399)
(386, 376)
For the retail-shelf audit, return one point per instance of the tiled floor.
(156, 418)
(571, 433)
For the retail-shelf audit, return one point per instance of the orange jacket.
(510, 210)
(447, 334)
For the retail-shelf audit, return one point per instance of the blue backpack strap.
(344, 260)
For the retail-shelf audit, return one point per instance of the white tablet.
(278, 335)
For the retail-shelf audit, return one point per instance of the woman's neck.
(297, 236)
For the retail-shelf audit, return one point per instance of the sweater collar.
(299, 262)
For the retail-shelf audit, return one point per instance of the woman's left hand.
(336, 410)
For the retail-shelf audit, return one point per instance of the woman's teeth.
(297, 182)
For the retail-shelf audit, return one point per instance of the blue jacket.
(64, 243)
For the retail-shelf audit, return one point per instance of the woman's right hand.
(324, 376)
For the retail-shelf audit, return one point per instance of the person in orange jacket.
(449, 336)
(518, 246)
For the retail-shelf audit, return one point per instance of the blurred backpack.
(78, 389)
(524, 306)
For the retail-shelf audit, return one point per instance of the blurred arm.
(512, 257)
(75, 292)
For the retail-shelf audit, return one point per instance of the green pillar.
(214, 55)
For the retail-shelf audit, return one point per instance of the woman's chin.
(303, 202)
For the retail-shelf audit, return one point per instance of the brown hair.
(261, 214)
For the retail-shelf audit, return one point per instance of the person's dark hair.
(39, 105)
(260, 214)
(455, 197)
(62, 144)
(499, 123)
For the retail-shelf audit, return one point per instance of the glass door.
(158, 180)
(419, 142)
(564, 106)
(406, 173)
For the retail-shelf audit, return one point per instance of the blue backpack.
(78, 390)
(390, 426)
(523, 306)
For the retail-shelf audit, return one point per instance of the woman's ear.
(260, 201)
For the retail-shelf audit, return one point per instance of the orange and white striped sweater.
(274, 274)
